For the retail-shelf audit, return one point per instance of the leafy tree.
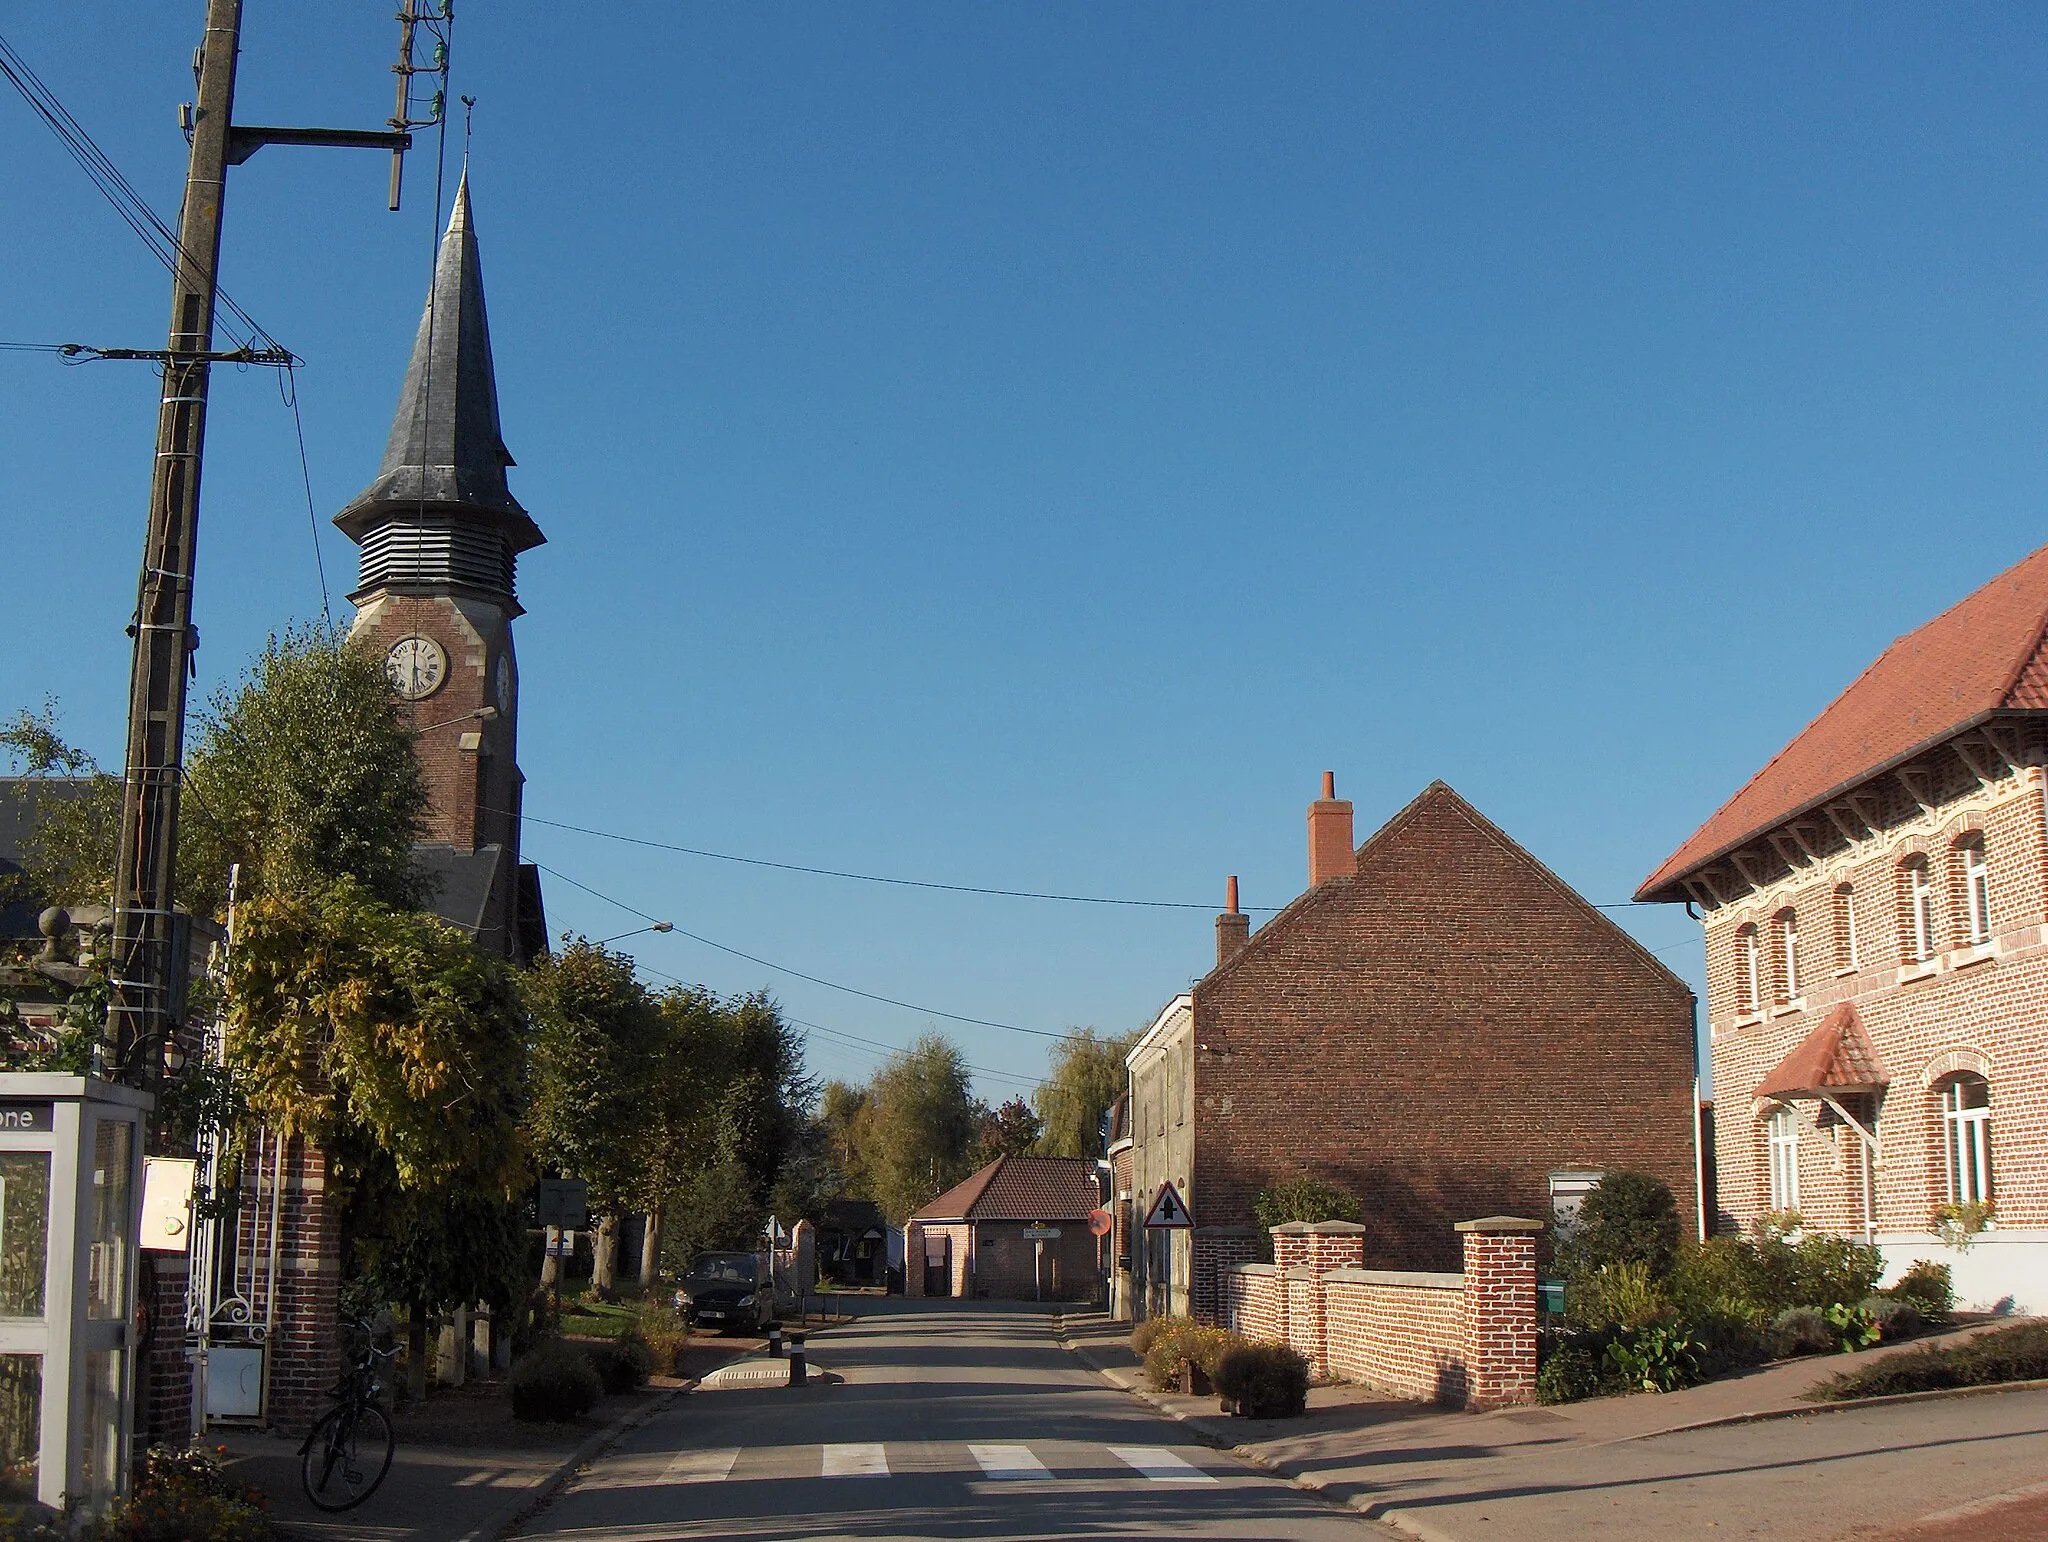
(1304, 1199)
(68, 852)
(1088, 1075)
(844, 1112)
(1010, 1130)
(919, 1139)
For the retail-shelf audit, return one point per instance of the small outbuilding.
(1015, 1231)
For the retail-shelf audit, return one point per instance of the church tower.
(441, 535)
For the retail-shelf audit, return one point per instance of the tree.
(601, 1067)
(919, 1138)
(844, 1112)
(1087, 1076)
(1010, 1130)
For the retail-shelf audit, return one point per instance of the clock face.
(503, 684)
(416, 667)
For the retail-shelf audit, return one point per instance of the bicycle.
(348, 1451)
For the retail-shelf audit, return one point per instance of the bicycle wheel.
(347, 1457)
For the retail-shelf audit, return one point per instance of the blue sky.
(1025, 446)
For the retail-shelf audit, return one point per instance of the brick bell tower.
(441, 534)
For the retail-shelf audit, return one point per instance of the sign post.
(564, 1207)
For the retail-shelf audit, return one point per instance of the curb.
(524, 1505)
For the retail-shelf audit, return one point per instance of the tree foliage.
(918, 1139)
(1625, 1218)
(1304, 1199)
(1009, 1130)
(1087, 1076)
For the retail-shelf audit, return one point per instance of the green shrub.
(1265, 1381)
(1833, 1271)
(1304, 1199)
(1801, 1330)
(1854, 1328)
(1728, 1274)
(554, 1382)
(1572, 1371)
(186, 1496)
(1928, 1287)
(2010, 1354)
(1615, 1295)
(1725, 1341)
(1660, 1358)
(1894, 1319)
(622, 1364)
(1628, 1218)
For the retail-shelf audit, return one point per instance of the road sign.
(1168, 1213)
(564, 1202)
(1100, 1221)
(561, 1244)
(1040, 1233)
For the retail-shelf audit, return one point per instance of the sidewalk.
(1421, 1468)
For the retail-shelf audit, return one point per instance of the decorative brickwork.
(1500, 1311)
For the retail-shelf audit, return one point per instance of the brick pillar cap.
(1293, 1229)
(1501, 1223)
(1338, 1229)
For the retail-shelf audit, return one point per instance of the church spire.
(444, 465)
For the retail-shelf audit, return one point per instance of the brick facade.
(1435, 1031)
(1969, 1009)
(1465, 1340)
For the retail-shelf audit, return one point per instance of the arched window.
(1782, 1134)
(1919, 912)
(1966, 1138)
(1976, 894)
(1788, 957)
(1846, 952)
(1749, 960)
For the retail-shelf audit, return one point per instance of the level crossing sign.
(1168, 1212)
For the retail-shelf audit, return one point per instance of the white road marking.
(1009, 1462)
(856, 1461)
(1160, 1464)
(700, 1466)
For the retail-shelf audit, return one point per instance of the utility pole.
(145, 965)
(141, 969)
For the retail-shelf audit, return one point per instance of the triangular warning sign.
(1168, 1213)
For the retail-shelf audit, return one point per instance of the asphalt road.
(954, 1420)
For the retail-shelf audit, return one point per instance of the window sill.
(1969, 958)
(1908, 973)
(1789, 1008)
(1843, 974)
(1748, 1020)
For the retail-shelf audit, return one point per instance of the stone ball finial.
(54, 922)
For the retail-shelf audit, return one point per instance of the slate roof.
(1985, 655)
(446, 449)
(1020, 1188)
(1836, 1056)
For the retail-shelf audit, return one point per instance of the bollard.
(775, 1341)
(796, 1360)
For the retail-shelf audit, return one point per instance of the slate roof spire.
(445, 461)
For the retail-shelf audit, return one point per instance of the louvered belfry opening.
(437, 549)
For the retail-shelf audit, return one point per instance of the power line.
(908, 1006)
(901, 883)
(288, 387)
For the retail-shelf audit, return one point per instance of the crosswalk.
(1048, 1462)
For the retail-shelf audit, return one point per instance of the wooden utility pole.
(142, 967)
(145, 963)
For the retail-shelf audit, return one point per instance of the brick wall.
(1005, 1260)
(164, 1383)
(1424, 1034)
(305, 1344)
(1215, 1251)
(1465, 1340)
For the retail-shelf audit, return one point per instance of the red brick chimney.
(1330, 852)
(1233, 927)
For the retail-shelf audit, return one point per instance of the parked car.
(727, 1290)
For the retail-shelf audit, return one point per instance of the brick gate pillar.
(1500, 1310)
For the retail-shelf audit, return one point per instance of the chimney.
(1233, 927)
(1330, 852)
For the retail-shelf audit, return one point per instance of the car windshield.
(722, 1269)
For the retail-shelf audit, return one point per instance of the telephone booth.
(70, 1202)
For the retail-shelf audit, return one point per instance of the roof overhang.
(1837, 1057)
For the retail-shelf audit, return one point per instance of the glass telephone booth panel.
(70, 1179)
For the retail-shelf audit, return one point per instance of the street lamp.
(658, 926)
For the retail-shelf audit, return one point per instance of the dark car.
(727, 1290)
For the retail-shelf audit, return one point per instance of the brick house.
(972, 1240)
(1438, 1025)
(1875, 901)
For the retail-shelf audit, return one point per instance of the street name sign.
(1040, 1233)
(1168, 1213)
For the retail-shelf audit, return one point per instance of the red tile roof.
(1836, 1056)
(1982, 656)
(1020, 1188)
